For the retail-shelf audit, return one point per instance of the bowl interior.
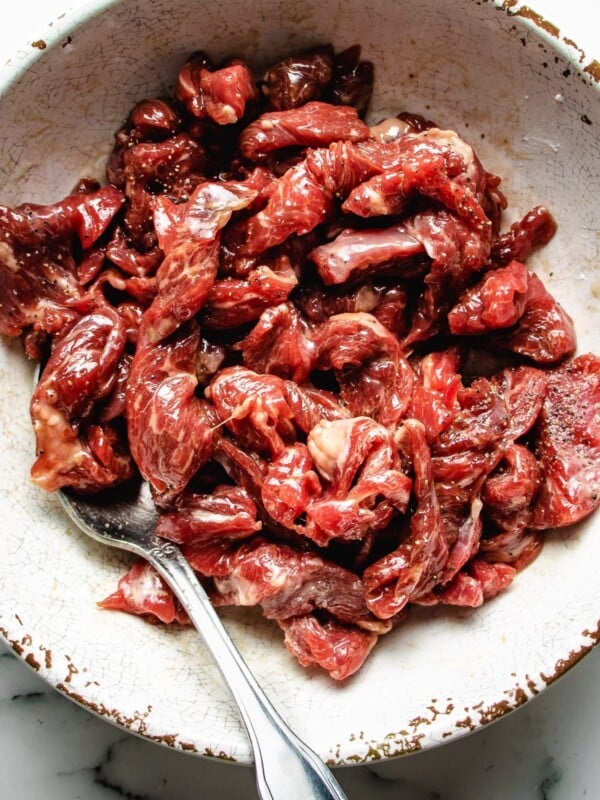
(531, 114)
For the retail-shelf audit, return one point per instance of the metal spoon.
(286, 769)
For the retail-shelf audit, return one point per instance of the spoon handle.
(286, 769)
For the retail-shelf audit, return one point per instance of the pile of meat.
(347, 390)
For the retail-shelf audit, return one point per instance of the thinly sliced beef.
(498, 301)
(38, 270)
(510, 490)
(568, 445)
(356, 251)
(299, 78)
(457, 251)
(170, 428)
(220, 94)
(232, 302)
(142, 591)
(435, 163)
(347, 389)
(286, 582)
(386, 300)
(226, 512)
(363, 481)
(544, 332)
(188, 234)
(374, 376)
(535, 229)
(314, 124)
(339, 649)
(412, 569)
(264, 411)
(281, 343)
(73, 448)
(434, 400)
(290, 484)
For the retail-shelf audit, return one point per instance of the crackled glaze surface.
(532, 108)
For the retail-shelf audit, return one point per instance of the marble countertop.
(52, 749)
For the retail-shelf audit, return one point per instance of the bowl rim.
(55, 31)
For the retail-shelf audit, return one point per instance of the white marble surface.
(52, 749)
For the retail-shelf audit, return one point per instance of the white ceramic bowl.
(523, 100)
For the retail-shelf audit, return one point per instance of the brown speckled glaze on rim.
(544, 26)
(529, 100)
(410, 739)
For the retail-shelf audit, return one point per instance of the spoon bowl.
(286, 769)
